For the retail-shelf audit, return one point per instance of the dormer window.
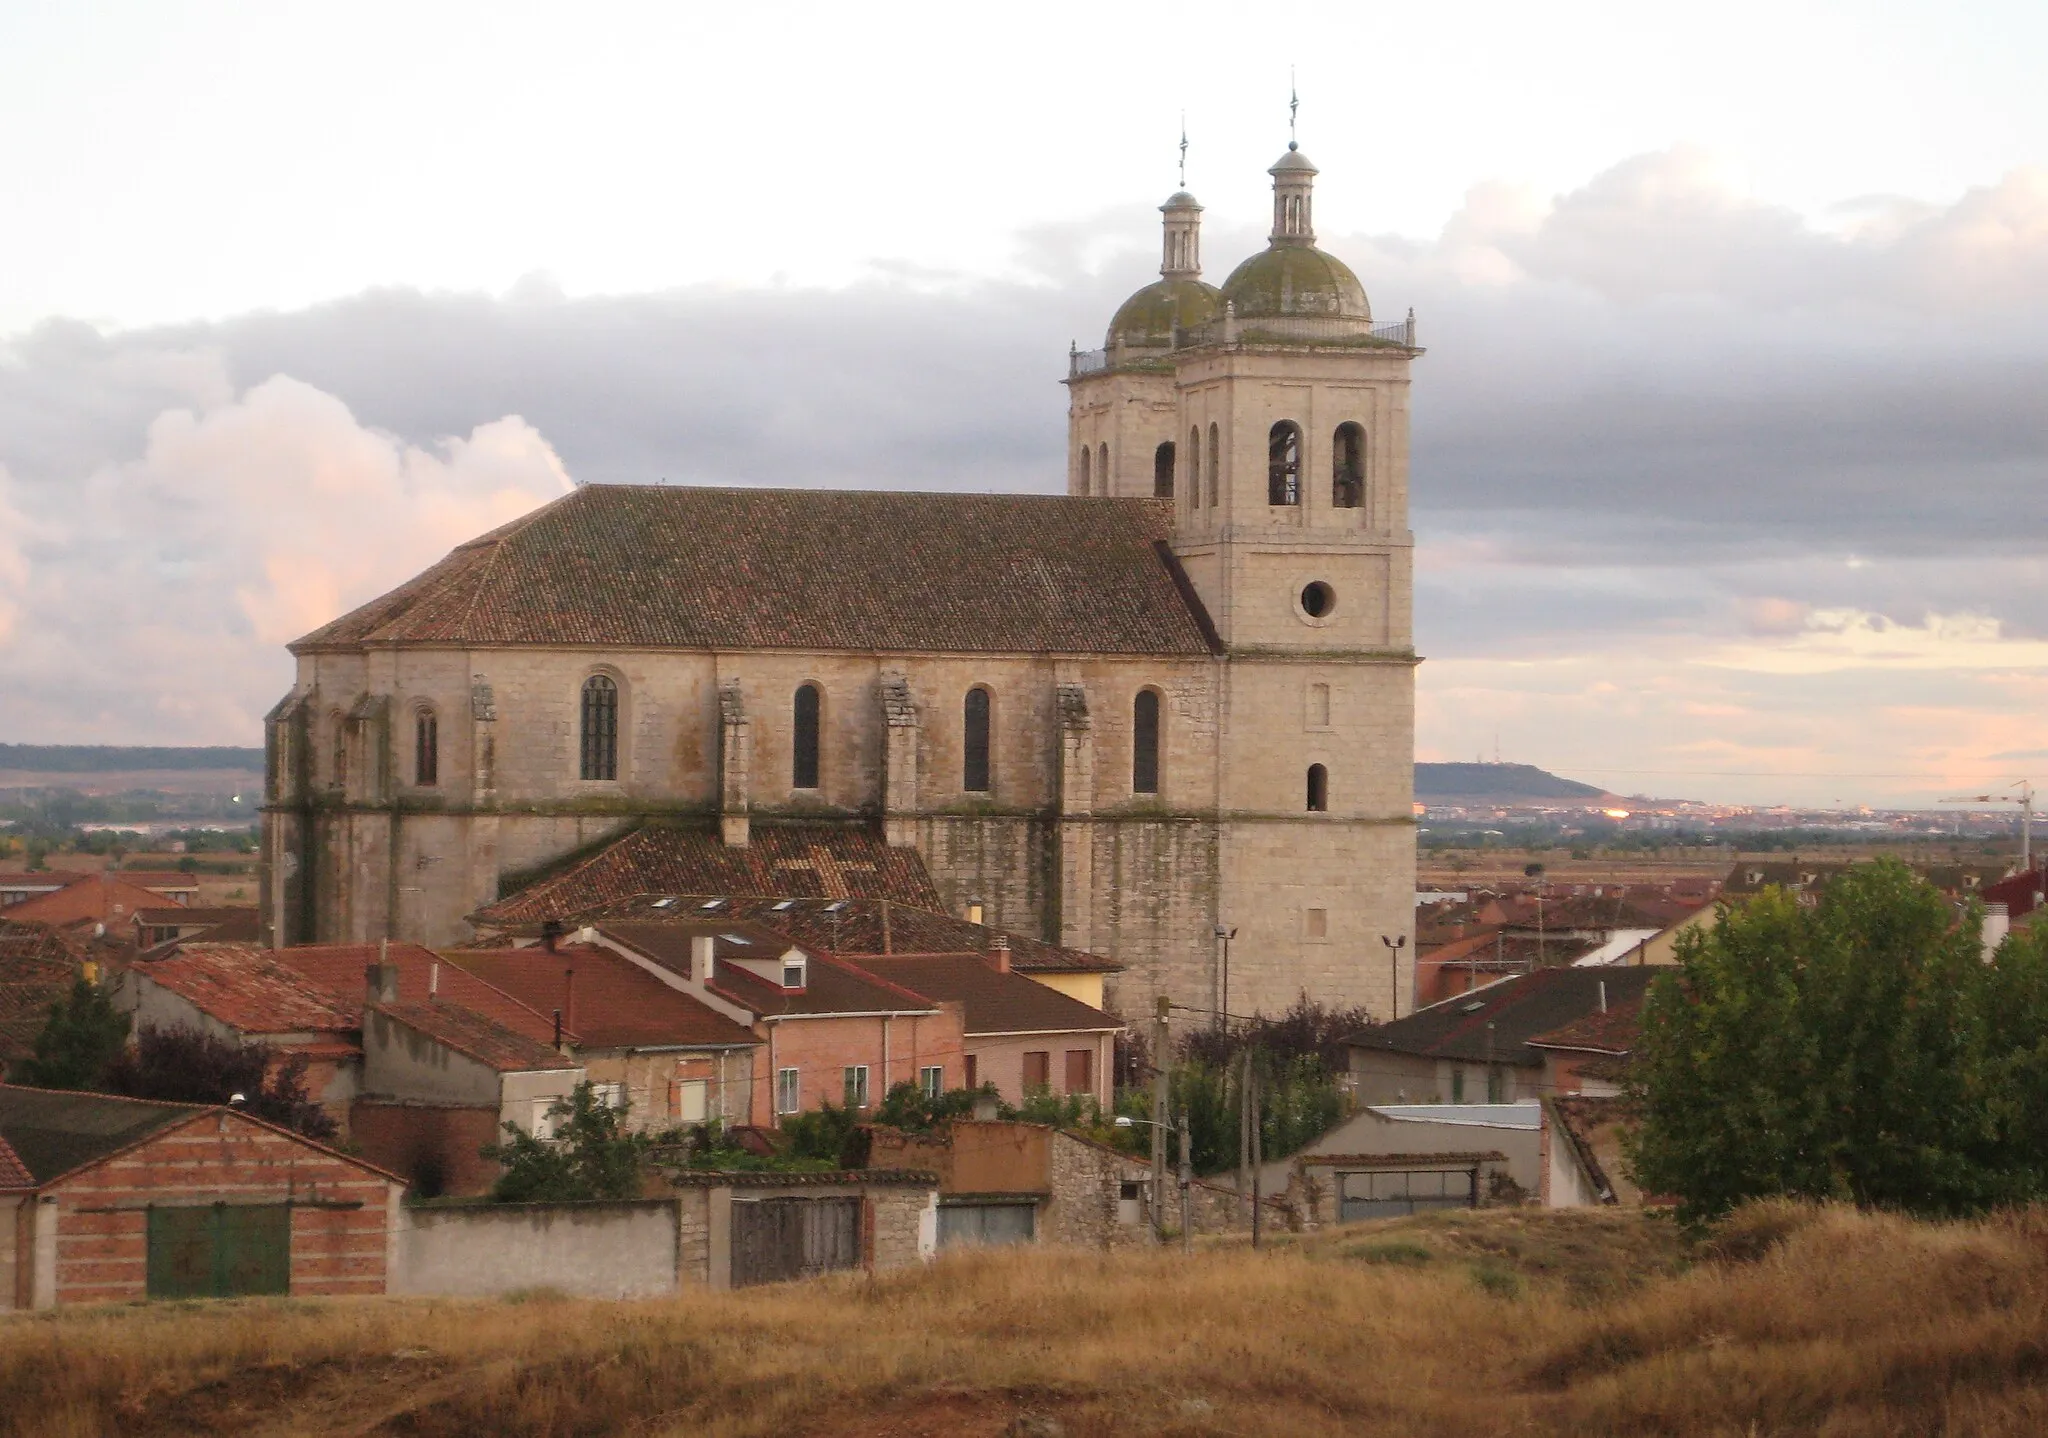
(792, 973)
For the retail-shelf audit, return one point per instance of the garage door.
(774, 1239)
(967, 1225)
(1397, 1193)
(220, 1251)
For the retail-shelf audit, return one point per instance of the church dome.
(1294, 279)
(1147, 319)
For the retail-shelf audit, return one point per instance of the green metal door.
(220, 1251)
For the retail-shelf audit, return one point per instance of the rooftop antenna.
(1293, 104)
(1183, 149)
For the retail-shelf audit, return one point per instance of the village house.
(168, 886)
(160, 930)
(38, 965)
(115, 1199)
(1023, 1183)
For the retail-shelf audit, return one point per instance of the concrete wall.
(17, 1231)
(594, 1250)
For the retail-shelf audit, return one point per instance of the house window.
(1283, 464)
(1495, 1085)
(608, 1095)
(1215, 463)
(856, 1076)
(793, 974)
(804, 738)
(1162, 471)
(542, 1125)
(788, 1093)
(1080, 1070)
(974, 777)
(1145, 742)
(1318, 924)
(1037, 1071)
(973, 1071)
(692, 1102)
(1318, 789)
(600, 728)
(932, 1081)
(1457, 1085)
(426, 749)
(1347, 467)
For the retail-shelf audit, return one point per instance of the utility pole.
(1251, 1069)
(1394, 947)
(1187, 1179)
(1223, 977)
(1159, 1120)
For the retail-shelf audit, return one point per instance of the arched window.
(1145, 742)
(1087, 465)
(974, 744)
(1215, 463)
(1347, 467)
(600, 728)
(426, 749)
(1318, 789)
(1162, 471)
(1283, 463)
(1102, 467)
(1194, 469)
(803, 765)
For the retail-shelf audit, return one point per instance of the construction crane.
(2025, 799)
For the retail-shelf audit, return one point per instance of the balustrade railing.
(1230, 330)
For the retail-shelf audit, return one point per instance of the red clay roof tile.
(614, 1003)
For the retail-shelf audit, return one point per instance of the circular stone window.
(1317, 600)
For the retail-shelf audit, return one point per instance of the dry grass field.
(1788, 1321)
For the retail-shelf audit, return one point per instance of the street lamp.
(1187, 1170)
(1223, 995)
(1394, 947)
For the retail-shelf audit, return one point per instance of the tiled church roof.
(638, 566)
(780, 860)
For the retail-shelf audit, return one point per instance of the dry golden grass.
(1792, 1321)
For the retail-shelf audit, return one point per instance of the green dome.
(1295, 280)
(1146, 320)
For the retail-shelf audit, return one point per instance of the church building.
(1166, 717)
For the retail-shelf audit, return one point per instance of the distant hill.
(1496, 781)
(113, 759)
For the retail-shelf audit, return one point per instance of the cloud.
(1690, 470)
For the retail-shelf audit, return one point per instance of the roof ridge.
(518, 1003)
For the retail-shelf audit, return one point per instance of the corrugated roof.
(996, 1003)
(1496, 1023)
(638, 566)
(53, 1132)
(832, 861)
(614, 1004)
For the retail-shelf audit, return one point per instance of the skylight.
(783, 905)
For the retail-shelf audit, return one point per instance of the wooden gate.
(774, 1239)
(220, 1251)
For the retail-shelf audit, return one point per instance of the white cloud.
(1836, 639)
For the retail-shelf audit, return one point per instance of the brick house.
(1023, 1183)
(831, 1031)
(116, 1199)
(670, 1057)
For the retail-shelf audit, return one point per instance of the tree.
(589, 1156)
(186, 1066)
(1298, 1056)
(82, 1036)
(1840, 1051)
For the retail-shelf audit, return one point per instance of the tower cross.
(1293, 104)
(1183, 149)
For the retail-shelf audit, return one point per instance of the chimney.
(1603, 996)
(703, 948)
(1997, 924)
(550, 933)
(569, 998)
(434, 980)
(999, 953)
(380, 983)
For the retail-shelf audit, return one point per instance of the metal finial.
(1183, 149)
(1293, 104)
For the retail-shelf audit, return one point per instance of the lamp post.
(1187, 1168)
(1394, 947)
(1223, 988)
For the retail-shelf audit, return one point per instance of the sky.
(1730, 446)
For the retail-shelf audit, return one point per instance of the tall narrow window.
(1215, 464)
(1102, 467)
(803, 767)
(1145, 742)
(1194, 469)
(426, 749)
(1283, 464)
(340, 768)
(1318, 706)
(974, 744)
(600, 728)
(1318, 789)
(1087, 469)
(1162, 471)
(1347, 467)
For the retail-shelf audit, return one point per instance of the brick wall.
(103, 1221)
(822, 1049)
(435, 1148)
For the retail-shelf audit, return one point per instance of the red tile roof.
(471, 1033)
(831, 861)
(37, 967)
(655, 567)
(339, 969)
(14, 1173)
(103, 898)
(996, 1002)
(250, 990)
(611, 1003)
(831, 986)
(1614, 1032)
